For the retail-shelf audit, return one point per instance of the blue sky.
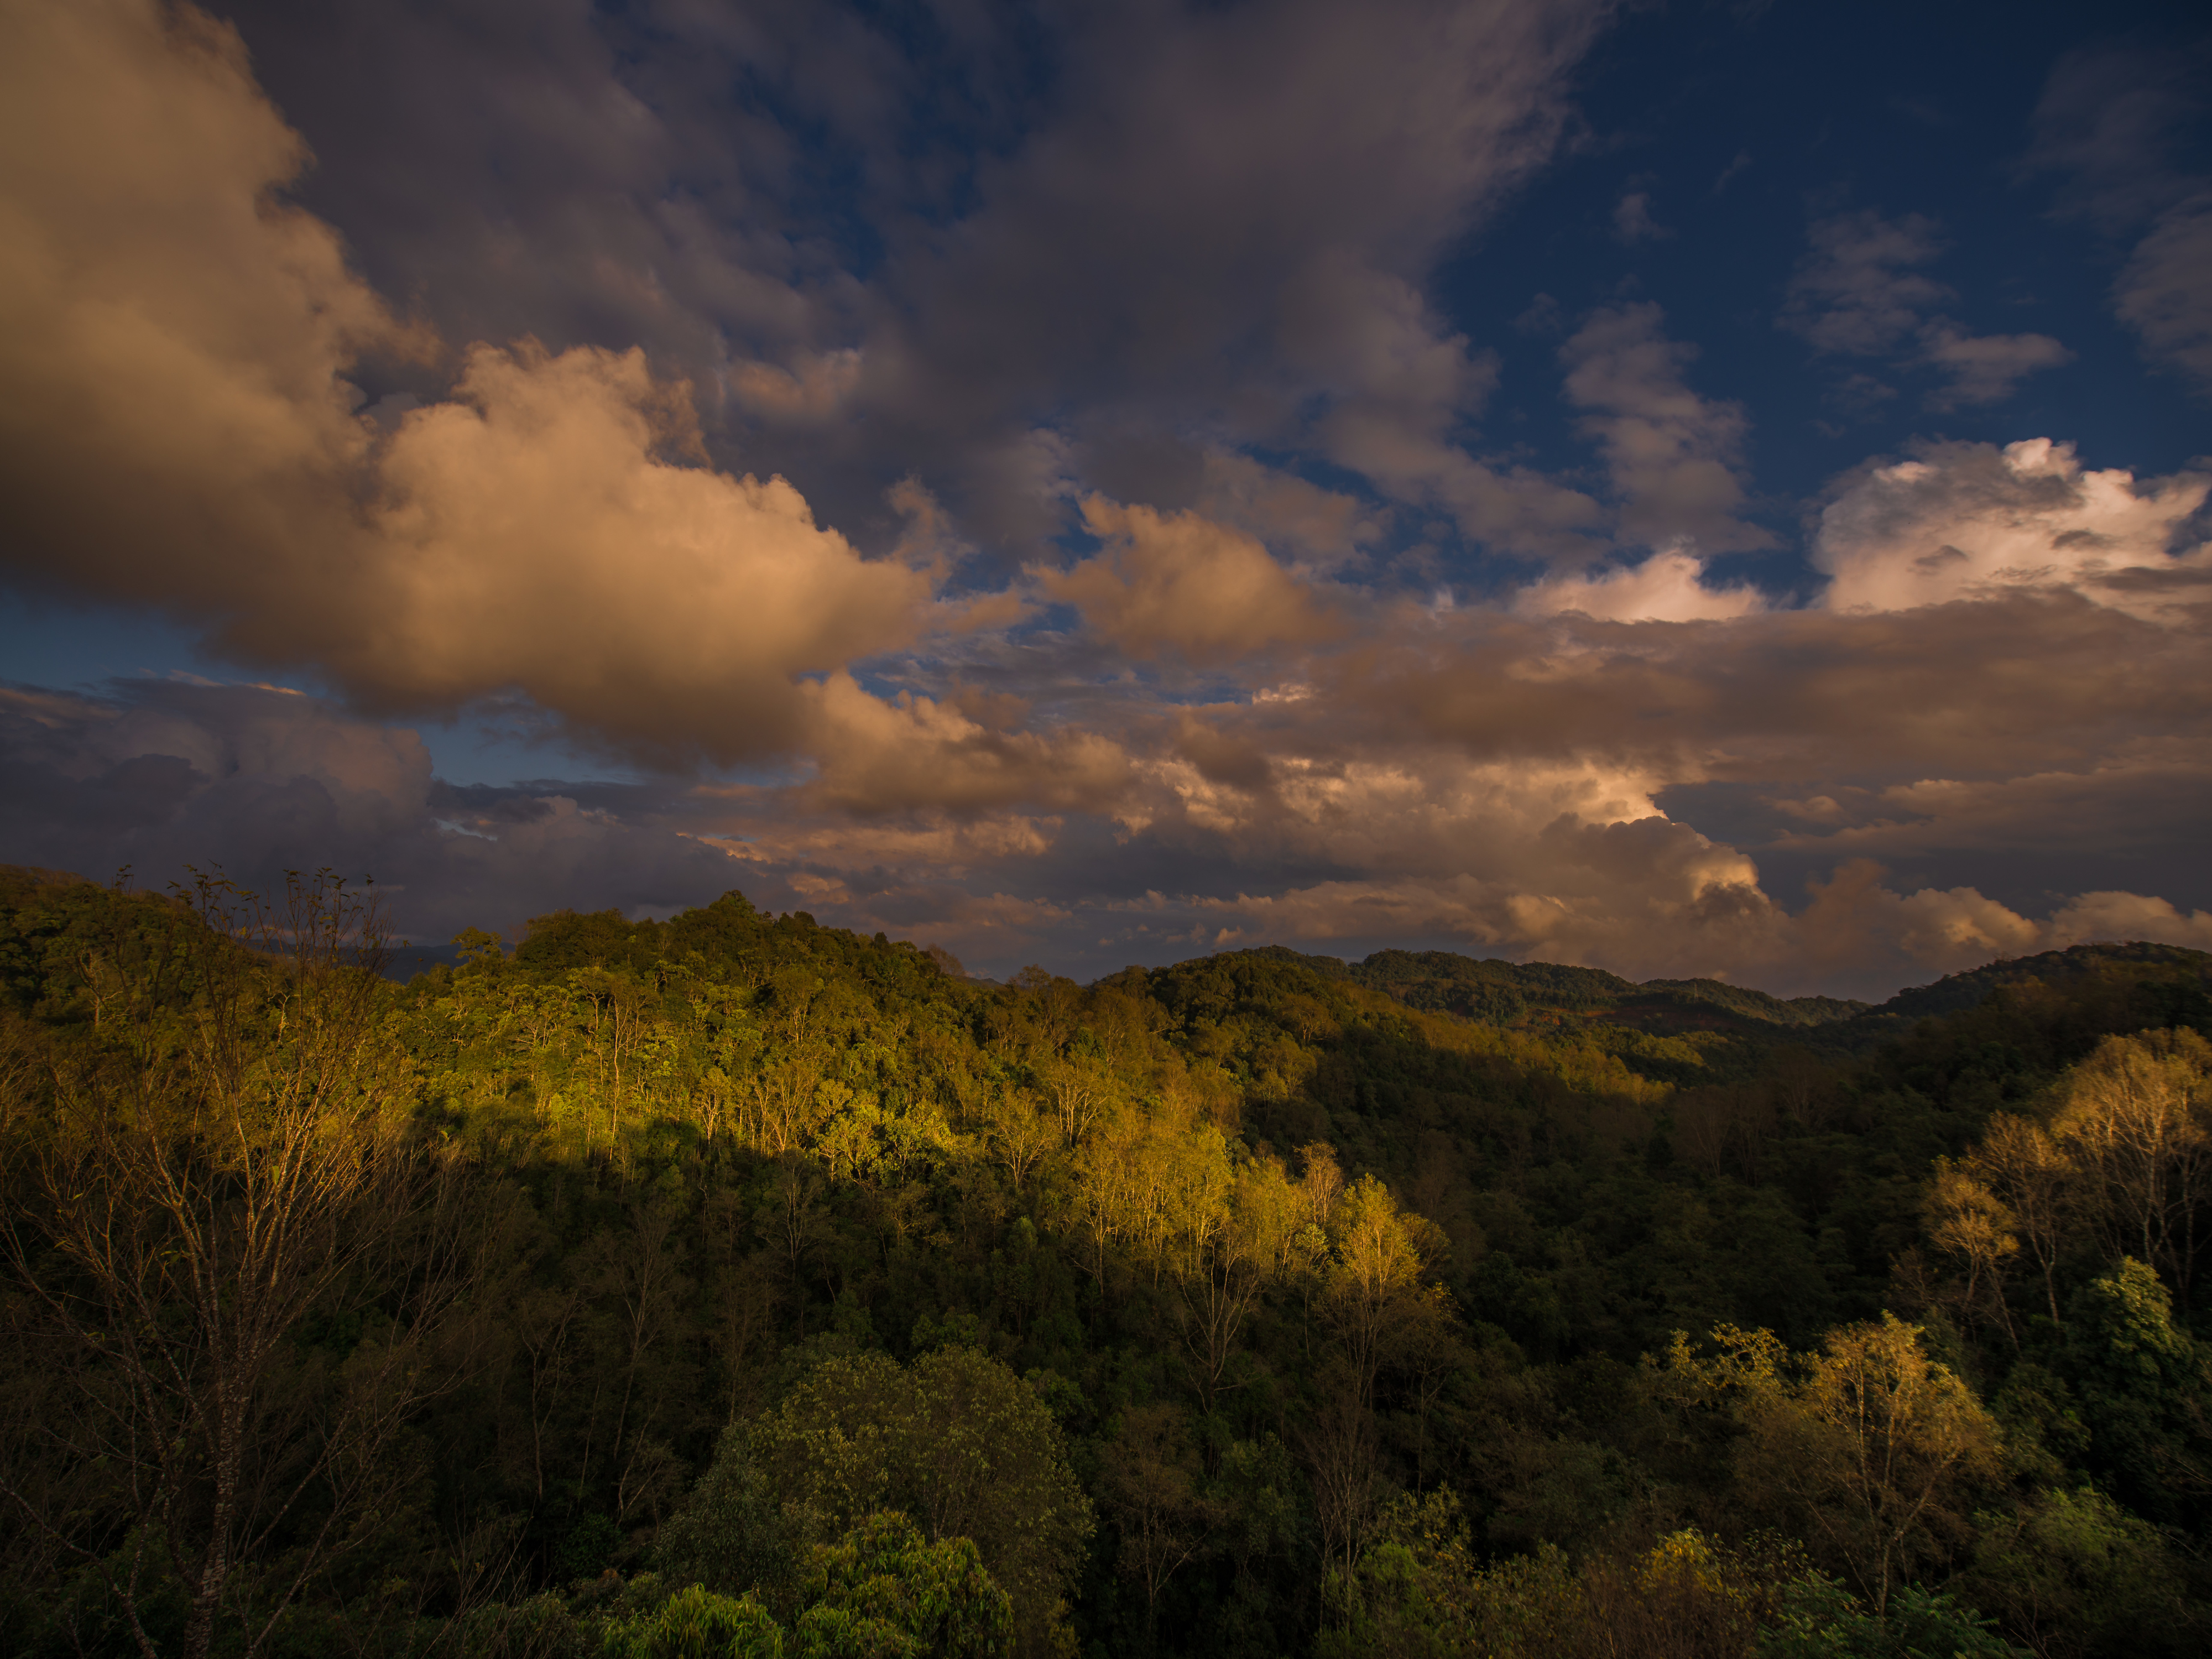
(1694, 489)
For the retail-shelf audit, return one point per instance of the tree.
(2137, 1116)
(1021, 1133)
(234, 1163)
(957, 1442)
(2033, 1180)
(1153, 1488)
(1875, 1446)
(1374, 1297)
(2143, 1384)
(885, 1592)
(2075, 1574)
(1966, 1219)
(694, 1623)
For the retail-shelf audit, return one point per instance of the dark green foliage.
(1820, 1620)
(1169, 1307)
(698, 1624)
(885, 1592)
(733, 1534)
(2145, 1389)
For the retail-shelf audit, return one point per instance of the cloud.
(178, 433)
(1321, 529)
(2164, 291)
(1857, 937)
(2113, 122)
(1178, 582)
(1984, 369)
(1856, 293)
(1672, 456)
(1145, 305)
(2109, 123)
(1668, 587)
(2148, 796)
(1970, 520)
(1632, 222)
(158, 776)
(876, 756)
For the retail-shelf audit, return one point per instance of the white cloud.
(1969, 519)
(1668, 587)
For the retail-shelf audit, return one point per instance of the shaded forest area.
(734, 1284)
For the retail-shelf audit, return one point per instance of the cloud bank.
(1182, 660)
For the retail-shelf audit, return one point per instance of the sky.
(1692, 489)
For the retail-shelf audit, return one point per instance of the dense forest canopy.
(731, 1283)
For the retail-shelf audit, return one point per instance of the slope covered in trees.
(731, 1283)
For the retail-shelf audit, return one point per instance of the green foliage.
(696, 1624)
(1820, 1620)
(955, 1440)
(2144, 1387)
(1165, 1292)
(733, 1533)
(2076, 1574)
(885, 1592)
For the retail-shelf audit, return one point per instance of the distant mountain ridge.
(1977, 984)
(1518, 993)
(1543, 993)
(1494, 992)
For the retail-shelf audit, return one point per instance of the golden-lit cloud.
(179, 431)
(1179, 583)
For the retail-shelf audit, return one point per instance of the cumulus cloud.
(1673, 457)
(1970, 520)
(180, 432)
(1178, 582)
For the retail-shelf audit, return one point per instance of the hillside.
(1282, 1300)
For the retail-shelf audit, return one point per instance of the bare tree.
(2034, 1180)
(2138, 1118)
(230, 1161)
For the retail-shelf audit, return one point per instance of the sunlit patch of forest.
(732, 1284)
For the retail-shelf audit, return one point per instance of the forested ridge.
(736, 1284)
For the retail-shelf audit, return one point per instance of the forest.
(734, 1284)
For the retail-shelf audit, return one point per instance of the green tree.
(232, 1171)
(2143, 1384)
(885, 1592)
(959, 1443)
(696, 1624)
(2076, 1576)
